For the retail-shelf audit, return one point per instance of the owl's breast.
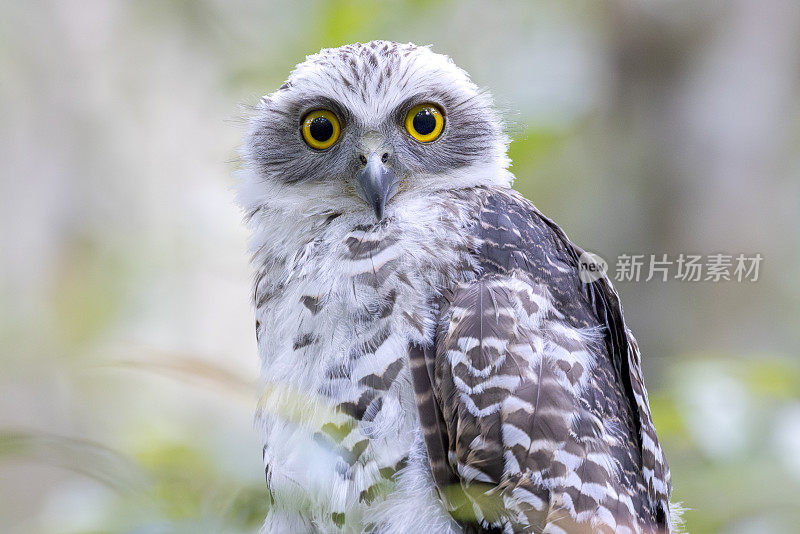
(339, 413)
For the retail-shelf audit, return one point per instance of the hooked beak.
(376, 184)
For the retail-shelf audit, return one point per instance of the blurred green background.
(128, 357)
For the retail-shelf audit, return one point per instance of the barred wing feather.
(537, 419)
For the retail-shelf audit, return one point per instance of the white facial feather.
(368, 82)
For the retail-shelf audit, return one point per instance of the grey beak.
(376, 184)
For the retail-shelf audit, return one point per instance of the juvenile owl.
(432, 360)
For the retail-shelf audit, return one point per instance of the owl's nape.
(453, 372)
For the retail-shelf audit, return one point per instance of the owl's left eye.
(321, 129)
(425, 122)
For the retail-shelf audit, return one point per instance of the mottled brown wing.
(625, 354)
(493, 396)
(537, 415)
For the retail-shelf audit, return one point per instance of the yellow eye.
(321, 129)
(425, 122)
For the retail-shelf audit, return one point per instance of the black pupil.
(321, 129)
(424, 122)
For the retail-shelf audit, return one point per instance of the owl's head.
(360, 127)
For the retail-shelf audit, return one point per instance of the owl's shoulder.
(516, 238)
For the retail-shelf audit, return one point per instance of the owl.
(432, 359)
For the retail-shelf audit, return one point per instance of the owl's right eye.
(321, 129)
